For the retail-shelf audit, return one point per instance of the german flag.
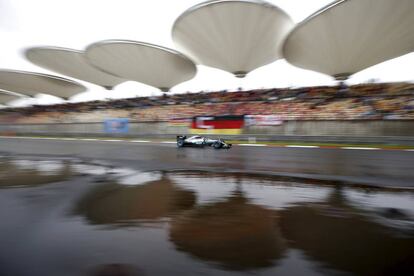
(224, 125)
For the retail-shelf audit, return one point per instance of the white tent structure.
(6, 97)
(71, 63)
(351, 35)
(31, 84)
(142, 62)
(236, 36)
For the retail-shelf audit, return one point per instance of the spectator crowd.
(381, 101)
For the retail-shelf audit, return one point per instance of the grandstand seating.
(365, 101)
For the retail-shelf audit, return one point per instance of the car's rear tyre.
(180, 143)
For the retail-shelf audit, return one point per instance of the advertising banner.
(263, 120)
(118, 125)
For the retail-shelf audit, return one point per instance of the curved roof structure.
(237, 36)
(6, 97)
(351, 35)
(71, 63)
(142, 62)
(30, 84)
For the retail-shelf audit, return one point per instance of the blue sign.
(119, 125)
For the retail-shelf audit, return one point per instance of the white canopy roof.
(351, 35)
(142, 62)
(237, 36)
(71, 63)
(30, 84)
(6, 97)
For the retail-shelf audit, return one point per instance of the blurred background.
(294, 90)
(316, 96)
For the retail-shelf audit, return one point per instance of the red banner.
(218, 122)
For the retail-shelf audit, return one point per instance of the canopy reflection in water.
(138, 225)
(344, 238)
(117, 204)
(235, 234)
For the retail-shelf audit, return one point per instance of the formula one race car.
(200, 141)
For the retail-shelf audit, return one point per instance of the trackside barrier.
(361, 132)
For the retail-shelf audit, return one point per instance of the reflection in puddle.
(22, 173)
(260, 190)
(196, 223)
(234, 233)
(113, 203)
(139, 178)
(115, 270)
(346, 238)
(50, 167)
(90, 169)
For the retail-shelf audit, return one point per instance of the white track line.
(252, 145)
(357, 148)
(304, 147)
(170, 142)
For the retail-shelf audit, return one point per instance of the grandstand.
(383, 101)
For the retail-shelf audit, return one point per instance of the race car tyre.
(217, 145)
(180, 143)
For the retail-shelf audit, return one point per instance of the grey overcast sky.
(78, 23)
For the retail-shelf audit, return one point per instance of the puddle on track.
(66, 217)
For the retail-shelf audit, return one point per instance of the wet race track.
(390, 168)
(102, 208)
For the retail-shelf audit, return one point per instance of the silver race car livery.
(200, 141)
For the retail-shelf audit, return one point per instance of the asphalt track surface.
(386, 168)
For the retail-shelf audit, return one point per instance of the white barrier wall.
(312, 128)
